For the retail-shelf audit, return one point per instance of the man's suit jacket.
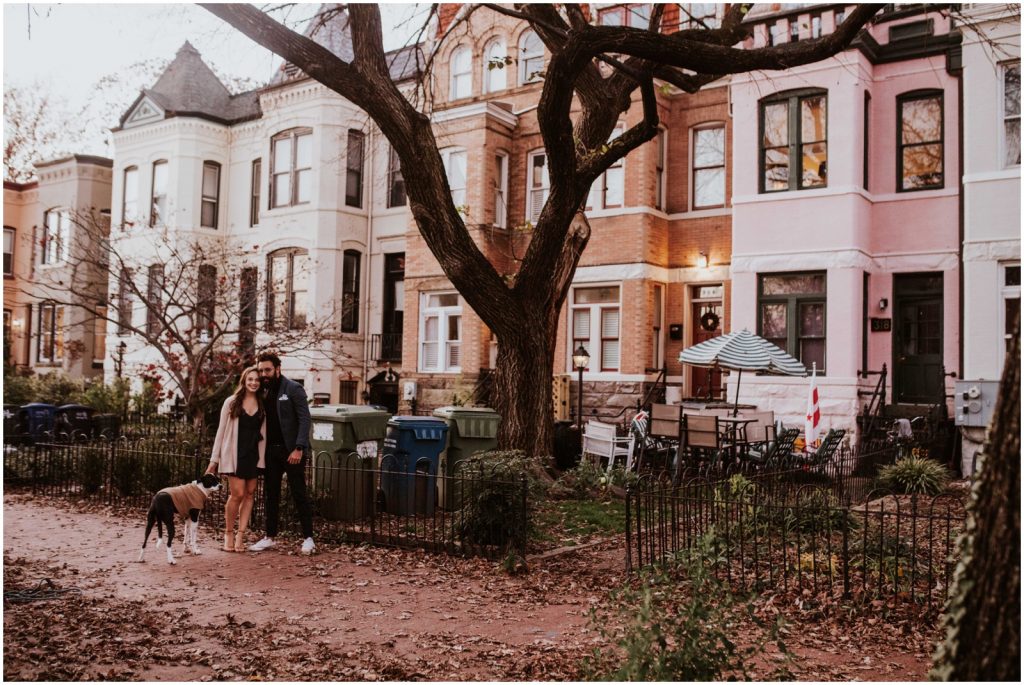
(293, 412)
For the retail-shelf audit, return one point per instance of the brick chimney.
(446, 12)
(670, 18)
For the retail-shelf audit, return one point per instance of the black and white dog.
(185, 501)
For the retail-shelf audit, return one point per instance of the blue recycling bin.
(38, 419)
(73, 420)
(412, 452)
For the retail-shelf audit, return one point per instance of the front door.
(705, 382)
(917, 339)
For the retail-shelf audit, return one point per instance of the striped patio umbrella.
(742, 351)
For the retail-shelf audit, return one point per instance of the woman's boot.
(243, 523)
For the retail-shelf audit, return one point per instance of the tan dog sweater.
(186, 497)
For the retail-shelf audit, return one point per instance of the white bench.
(599, 439)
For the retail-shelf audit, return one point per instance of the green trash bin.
(470, 430)
(346, 440)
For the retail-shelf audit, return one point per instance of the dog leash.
(45, 590)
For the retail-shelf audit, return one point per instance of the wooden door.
(918, 339)
(705, 382)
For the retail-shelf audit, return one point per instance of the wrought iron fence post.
(846, 562)
(629, 537)
(524, 524)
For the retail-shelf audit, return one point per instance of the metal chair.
(776, 451)
(662, 438)
(701, 438)
(826, 450)
(600, 440)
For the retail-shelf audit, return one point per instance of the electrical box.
(560, 396)
(974, 402)
(409, 391)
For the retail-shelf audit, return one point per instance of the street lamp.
(580, 360)
(119, 365)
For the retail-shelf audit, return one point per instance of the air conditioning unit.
(409, 391)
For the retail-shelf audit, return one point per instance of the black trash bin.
(412, 451)
(567, 445)
(73, 421)
(14, 428)
(38, 419)
(107, 426)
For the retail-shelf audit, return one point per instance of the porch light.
(580, 358)
(883, 303)
(702, 260)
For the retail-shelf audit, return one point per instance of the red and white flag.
(813, 419)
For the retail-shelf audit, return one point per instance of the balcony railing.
(386, 347)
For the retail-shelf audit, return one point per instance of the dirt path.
(346, 613)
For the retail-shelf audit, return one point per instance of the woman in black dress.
(238, 453)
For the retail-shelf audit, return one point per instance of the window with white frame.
(254, 192)
(99, 335)
(56, 236)
(9, 235)
(130, 196)
(658, 328)
(291, 168)
(606, 191)
(50, 349)
(210, 202)
(287, 287)
(155, 299)
(1011, 297)
(461, 67)
(537, 184)
(158, 193)
(709, 167)
(1011, 113)
(699, 15)
(396, 183)
(595, 325)
(661, 140)
(495, 66)
(501, 190)
(454, 160)
(531, 57)
(441, 333)
(354, 169)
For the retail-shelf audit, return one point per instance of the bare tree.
(193, 300)
(523, 311)
(37, 126)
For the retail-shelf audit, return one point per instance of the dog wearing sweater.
(185, 501)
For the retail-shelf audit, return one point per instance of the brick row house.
(51, 294)
(818, 207)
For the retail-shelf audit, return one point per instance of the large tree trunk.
(522, 389)
(983, 618)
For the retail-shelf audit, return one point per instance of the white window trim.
(598, 195)
(596, 363)
(1006, 292)
(661, 203)
(706, 126)
(458, 192)
(9, 230)
(1003, 118)
(455, 76)
(488, 72)
(545, 186)
(442, 314)
(525, 58)
(62, 236)
(501, 192)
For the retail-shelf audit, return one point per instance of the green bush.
(19, 388)
(915, 476)
(492, 497)
(668, 634)
(588, 478)
(127, 472)
(107, 399)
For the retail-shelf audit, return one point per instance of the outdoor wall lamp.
(580, 360)
(883, 303)
(702, 260)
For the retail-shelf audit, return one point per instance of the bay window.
(130, 196)
(920, 145)
(792, 314)
(56, 236)
(210, 202)
(287, 286)
(441, 333)
(537, 184)
(794, 141)
(354, 169)
(50, 348)
(594, 317)
(158, 194)
(350, 292)
(291, 168)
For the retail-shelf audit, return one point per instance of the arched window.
(495, 68)
(531, 57)
(287, 285)
(461, 68)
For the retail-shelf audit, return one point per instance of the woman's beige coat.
(225, 445)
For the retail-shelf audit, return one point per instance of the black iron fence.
(817, 532)
(471, 511)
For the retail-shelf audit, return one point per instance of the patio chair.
(826, 450)
(662, 435)
(701, 440)
(600, 440)
(777, 451)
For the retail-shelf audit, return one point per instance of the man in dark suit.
(287, 449)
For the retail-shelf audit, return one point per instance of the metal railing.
(386, 347)
(775, 529)
(472, 511)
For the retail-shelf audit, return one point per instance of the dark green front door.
(917, 338)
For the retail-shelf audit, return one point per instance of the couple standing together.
(264, 429)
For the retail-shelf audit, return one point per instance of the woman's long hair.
(236, 400)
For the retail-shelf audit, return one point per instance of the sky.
(69, 47)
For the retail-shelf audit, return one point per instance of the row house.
(55, 293)
(846, 192)
(991, 195)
